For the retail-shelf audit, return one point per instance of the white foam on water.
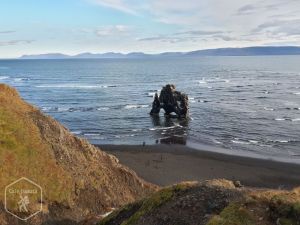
(19, 79)
(177, 125)
(71, 109)
(244, 142)
(240, 142)
(203, 101)
(268, 109)
(74, 86)
(217, 142)
(217, 80)
(76, 132)
(136, 130)
(280, 119)
(91, 134)
(253, 141)
(94, 136)
(135, 106)
(164, 128)
(124, 135)
(281, 141)
(4, 77)
(46, 108)
(64, 109)
(102, 108)
(296, 120)
(54, 109)
(202, 82)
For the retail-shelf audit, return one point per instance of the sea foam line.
(135, 106)
(78, 86)
(4, 77)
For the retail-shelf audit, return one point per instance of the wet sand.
(169, 164)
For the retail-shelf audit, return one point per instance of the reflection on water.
(170, 130)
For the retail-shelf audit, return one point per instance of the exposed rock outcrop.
(216, 202)
(171, 101)
(78, 179)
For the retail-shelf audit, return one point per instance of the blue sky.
(76, 26)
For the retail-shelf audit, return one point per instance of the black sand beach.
(169, 164)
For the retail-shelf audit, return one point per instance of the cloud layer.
(150, 26)
(15, 42)
(216, 21)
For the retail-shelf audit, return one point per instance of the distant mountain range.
(248, 51)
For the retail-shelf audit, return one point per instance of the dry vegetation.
(216, 202)
(78, 179)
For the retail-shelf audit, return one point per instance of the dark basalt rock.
(171, 101)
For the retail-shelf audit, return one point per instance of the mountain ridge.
(245, 51)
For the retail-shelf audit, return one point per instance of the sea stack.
(171, 101)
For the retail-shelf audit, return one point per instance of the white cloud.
(121, 5)
(7, 31)
(280, 27)
(112, 30)
(15, 42)
(191, 36)
(231, 22)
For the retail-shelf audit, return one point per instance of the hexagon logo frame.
(24, 200)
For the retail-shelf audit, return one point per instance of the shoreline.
(164, 164)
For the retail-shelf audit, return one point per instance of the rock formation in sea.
(78, 180)
(171, 101)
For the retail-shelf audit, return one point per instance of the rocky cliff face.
(78, 180)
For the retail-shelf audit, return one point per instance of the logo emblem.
(23, 198)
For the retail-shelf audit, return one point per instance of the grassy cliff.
(78, 180)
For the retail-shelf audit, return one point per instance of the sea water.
(240, 104)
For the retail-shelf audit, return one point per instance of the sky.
(151, 26)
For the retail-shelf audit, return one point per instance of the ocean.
(238, 105)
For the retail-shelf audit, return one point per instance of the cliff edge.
(78, 180)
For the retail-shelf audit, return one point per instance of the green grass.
(234, 214)
(286, 206)
(147, 205)
(24, 154)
